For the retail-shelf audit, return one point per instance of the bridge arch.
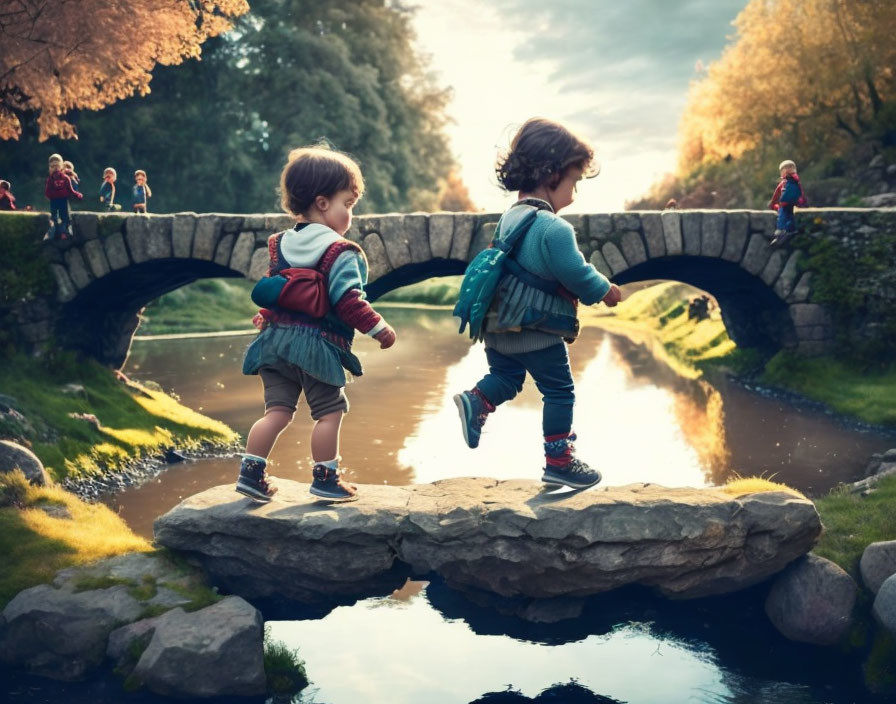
(114, 265)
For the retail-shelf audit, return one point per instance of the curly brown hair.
(316, 171)
(539, 155)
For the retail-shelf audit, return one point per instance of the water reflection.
(623, 425)
(436, 644)
(636, 419)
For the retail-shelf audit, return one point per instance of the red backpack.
(59, 185)
(297, 288)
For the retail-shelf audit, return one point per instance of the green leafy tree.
(213, 134)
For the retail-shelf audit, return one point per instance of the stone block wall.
(121, 262)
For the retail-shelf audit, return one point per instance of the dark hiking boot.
(327, 484)
(255, 482)
(575, 474)
(473, 410)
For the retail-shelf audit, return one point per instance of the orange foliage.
(58, 55)
(811, 74)
(454, 196)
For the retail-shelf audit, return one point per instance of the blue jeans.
(786, 220)
(553, 377)
(59, 216)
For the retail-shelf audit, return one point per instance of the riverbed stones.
(217, 651)
(15, 456)
(878, 563)
(507, 537)
(812, 601)
(884, 608)
(62, 634)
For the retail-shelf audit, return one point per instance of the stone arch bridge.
(114, 265)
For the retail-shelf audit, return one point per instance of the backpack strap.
(506, 244)
(324, 264)
(274, 253)
(331, 254)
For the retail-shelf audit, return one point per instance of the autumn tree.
(213, 134)
(807, 74)
(57, 56)
(809, 80)
(454, 196)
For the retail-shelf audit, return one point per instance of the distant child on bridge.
(787, 195)
(107, 190)
(58, 190)
(313, 301)
(533, 312)
(142, 193)
(7, 199)
(69, 169)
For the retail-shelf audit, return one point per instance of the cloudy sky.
(616, 72)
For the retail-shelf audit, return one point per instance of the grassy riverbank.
(657, 316)
(207, 305)
(46, 529)
(214, 305)
(82, 419)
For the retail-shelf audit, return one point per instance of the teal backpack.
(483, 274)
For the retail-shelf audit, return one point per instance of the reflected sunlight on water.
(411, 653)
(636, 418)
(627, 428)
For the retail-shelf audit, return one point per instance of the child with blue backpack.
(787, 195)
(532, 314)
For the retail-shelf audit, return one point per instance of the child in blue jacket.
(527, 326)
(789, 193)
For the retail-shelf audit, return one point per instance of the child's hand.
(386, 337)
(614, 295)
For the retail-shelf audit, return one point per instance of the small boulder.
(220, 646)
(878, 563)
(812, 601)
(884, 608)
(121, 639)
(13, 455)
(62, 634)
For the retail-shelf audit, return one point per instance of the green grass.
(852, 522)
(284, 670)
(131, 420)
(214, 305)
(434, 292)
(869, 395)
(657, 316)
(35, 545)
(208, 305)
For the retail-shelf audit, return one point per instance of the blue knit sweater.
(517, 320)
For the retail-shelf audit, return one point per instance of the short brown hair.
(540, 153)
(317, 171)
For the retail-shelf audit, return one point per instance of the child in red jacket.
(788, 194)
(58, 190)
(7, 199)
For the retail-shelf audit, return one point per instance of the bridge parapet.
(115, 264)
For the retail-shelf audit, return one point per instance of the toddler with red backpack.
(312, 302)
(58, 190)
(787, 195)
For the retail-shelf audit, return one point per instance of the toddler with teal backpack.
(520, 296)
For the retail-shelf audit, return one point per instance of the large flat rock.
(509, 537)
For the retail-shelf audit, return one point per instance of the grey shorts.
(284, 383)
